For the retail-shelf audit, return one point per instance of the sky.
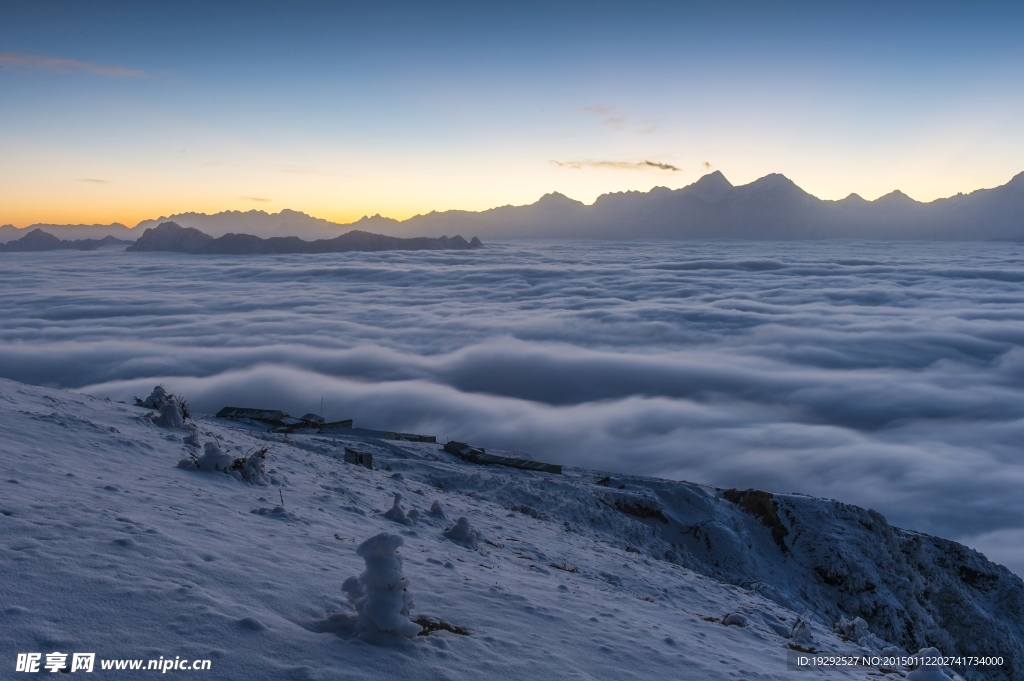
(128, 111)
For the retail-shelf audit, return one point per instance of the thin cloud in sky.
(596, 109)
(28, 61)
(257, 199)
(618, 165)
(93, 180)
(606, 114)
(611, 117)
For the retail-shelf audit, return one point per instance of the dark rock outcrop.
(170, 236)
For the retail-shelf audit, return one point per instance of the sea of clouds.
(885, 375)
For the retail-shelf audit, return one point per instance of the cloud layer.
(893, 379)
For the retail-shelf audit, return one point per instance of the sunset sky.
(126, 111)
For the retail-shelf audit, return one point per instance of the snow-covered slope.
(107, 545)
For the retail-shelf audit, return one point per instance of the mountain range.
(38, 240)
(170, 236)
(773, 207)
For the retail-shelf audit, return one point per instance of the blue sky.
(124, 111)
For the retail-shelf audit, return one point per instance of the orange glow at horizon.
(99, 201)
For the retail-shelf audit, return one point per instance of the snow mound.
(735, 619)
(192, 439)
(169, 416)
(250, 468)
(463, 533)
(397, 514)
(381, 594)
(801, 634)
(437, 511)
(854, 629)
(213, 459)
(156, 399)
(172, 410)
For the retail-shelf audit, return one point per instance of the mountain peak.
(712, 187)
(556, 199)
(773, 180)
(895, 197)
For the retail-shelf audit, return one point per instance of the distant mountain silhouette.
(170, 236)
(38, 240)
(70, 232)
(772, 207)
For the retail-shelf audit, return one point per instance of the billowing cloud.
(617, 165)
(9, 60)
(876, 375)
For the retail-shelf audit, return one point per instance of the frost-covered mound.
(133, 540)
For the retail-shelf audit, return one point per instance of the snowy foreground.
(108, 545)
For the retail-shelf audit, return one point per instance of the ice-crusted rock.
(807, 555)
(912, 590)
(380, 595)
(463, 533)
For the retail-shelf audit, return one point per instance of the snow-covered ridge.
(107, 545)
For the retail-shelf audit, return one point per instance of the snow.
(107, 545)
(396, 513)
(462, 533)
(928, 672)
(381, 594)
